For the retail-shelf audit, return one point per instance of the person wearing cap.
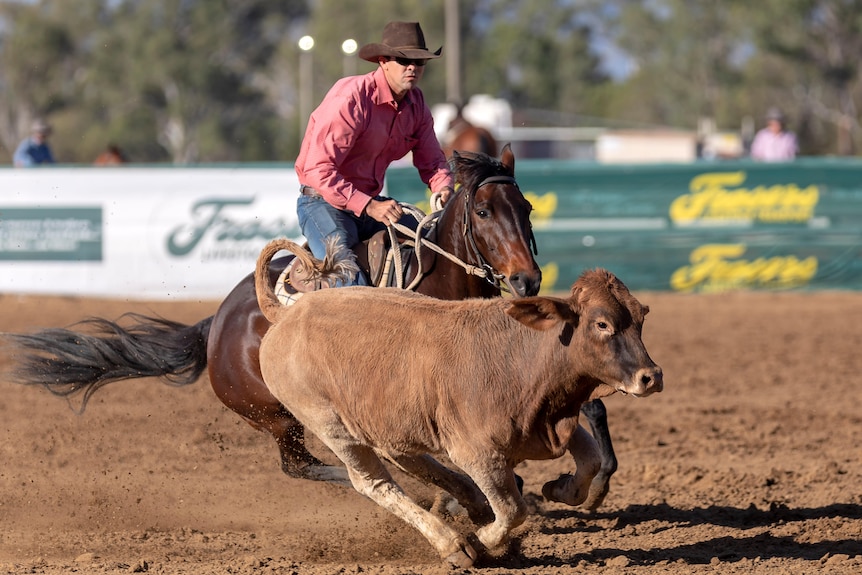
(774, 143)
(363, 124)
(34, 150)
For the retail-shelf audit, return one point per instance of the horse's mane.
(470, 168)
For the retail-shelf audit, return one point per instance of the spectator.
(363, 125)
(34, 150)
(774, 143)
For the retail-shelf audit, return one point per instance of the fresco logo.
(550, 275)
(210, 220)
(719, 196)
(544, 206)
(717, 267)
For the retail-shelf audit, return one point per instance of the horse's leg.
(460, 486)
(370, 478)
(234, 370)
(573, 489)
(597, 415)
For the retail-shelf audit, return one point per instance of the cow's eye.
(603, 325)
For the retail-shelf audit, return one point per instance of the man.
(363, 125)
(774, 143)
(34, 150)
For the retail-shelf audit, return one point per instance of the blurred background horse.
(463, 136)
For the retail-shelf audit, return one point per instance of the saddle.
(374, 257)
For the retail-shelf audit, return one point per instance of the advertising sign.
(149, 233)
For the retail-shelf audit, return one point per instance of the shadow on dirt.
(727, 548)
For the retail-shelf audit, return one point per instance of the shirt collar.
(384, 92)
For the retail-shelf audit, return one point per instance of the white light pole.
(349, 47)
(306, 79)
(453, 52)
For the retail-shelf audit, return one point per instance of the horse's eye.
(484, 214)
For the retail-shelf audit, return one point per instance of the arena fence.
(698, 227)
(192, 233)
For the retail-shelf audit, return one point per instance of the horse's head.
(496, 233)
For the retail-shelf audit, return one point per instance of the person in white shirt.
(774, 143)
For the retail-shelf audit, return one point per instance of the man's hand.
(445, 194)
(384, 211)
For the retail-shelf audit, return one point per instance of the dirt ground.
(748, 462)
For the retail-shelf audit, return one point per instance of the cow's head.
(602, 323)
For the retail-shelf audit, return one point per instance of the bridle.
(492, 276)
(484, 269)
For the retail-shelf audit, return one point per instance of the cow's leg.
(573, 489)
(429, 470)
(370, 478)
(329, 473)
(497, 481)
(597, 415)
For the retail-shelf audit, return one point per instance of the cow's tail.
(266, 298)
(337, 268)
(68, 362)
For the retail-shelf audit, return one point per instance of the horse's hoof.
(463, 558)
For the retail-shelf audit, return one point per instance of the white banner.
(140, 233)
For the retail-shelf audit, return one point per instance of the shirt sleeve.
(330, 137)
(21, 157)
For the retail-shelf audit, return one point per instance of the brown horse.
(486, 225)
(462, 136)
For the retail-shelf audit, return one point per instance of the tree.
(175, 80)
(810, 64)
(40, 58)
(535, 55)
(192, 65)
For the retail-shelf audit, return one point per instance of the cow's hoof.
(463, 558)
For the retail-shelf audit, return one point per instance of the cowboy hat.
(400, 40)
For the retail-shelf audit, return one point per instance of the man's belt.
(309, 191)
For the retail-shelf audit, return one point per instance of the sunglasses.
(407, 61)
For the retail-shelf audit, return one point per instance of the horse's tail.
(67, 362)
(266, 298)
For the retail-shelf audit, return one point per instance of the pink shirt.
(771, 147)
(357, 131)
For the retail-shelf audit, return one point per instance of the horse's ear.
(507, 158)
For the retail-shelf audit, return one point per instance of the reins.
(483, 270)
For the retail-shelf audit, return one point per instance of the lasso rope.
(418, 242)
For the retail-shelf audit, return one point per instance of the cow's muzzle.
(646, 381)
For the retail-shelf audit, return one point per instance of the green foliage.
(218, 80)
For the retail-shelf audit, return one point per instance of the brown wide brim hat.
(400, 40)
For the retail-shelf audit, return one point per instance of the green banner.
(50, 234)
(699, 227)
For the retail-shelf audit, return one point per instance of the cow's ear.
(542, 313)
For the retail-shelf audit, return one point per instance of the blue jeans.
(319, 220)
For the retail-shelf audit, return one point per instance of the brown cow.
(490, 383)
